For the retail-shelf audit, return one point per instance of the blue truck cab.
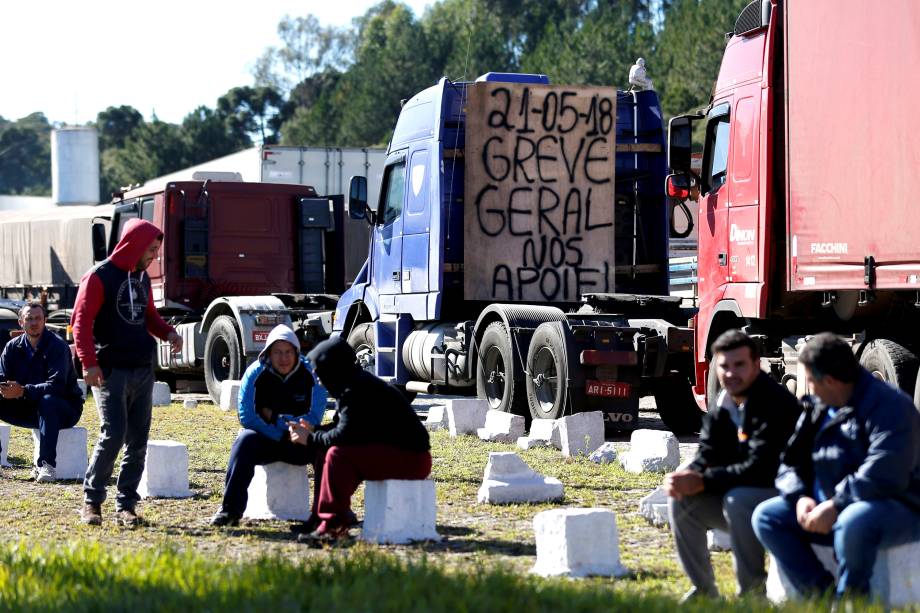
(410, 324)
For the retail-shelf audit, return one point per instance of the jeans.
(252, 449)
(346, 467)
(861, 529)
(692, 516)
(125, 403)
(50, 414)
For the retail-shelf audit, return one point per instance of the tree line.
(343, 86)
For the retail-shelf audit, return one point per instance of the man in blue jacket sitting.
(277, 388)
(38, 386)
(850, 476)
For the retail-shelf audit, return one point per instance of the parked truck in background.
(519, 251)
(326, 169)
(237, 259)
(810, 161)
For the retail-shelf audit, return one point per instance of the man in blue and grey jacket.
(38, 386)
(850, 476)
(277, 388)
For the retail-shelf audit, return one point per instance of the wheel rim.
(494, 377)
(220, 359)
(365, 355)
(545, 379)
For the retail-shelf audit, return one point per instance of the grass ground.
(51, 560)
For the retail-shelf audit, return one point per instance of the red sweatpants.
(346, 467)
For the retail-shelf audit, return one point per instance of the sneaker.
(324, 535)
(44, 473)
(127, 518)
(91, 514)
(222, 518)
(697, 595)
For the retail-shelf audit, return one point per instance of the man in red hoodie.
(113, 320)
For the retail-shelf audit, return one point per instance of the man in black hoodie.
(376, 436)
(743, 434)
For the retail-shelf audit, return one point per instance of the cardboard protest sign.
(539, 192)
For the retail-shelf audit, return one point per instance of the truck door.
(156, 271)
(416, 225)
(388, 233)
(713, 213)
(743, 211)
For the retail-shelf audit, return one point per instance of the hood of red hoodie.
(137, 236)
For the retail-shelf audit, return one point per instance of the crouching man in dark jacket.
(377, 436)
(744, 432)
(38, 386)
(850, 477)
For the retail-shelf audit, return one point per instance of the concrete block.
(279, 491)
(165, 471)
(581, 433)
(502, 427)
(399, 511)
(605, 454)
(437, 418)
(71, 453)
(544, 429)
(543, 433)
(161, 395)
(718, 540)
(894, 579)
(189, 403)
(4, 445)
(651, 451)
(654, 508)
(577, 543)
(229, 395)
(508, 479)
(466, 415)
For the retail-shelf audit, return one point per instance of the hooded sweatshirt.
(295, 395)
(114, 314)
(370, 411)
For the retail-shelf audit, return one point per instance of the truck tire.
(363, 340)
(676, 405)
(223, 355)
(891, 362)
(548, 393)
(495, 372)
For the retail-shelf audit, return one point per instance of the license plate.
(259, 336)
(607, 389)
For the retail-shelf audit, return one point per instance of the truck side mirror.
(99, 250)
(680, 141)
(357, 199)
(678, 186)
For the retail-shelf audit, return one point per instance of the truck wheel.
(676, 405)
(547, 391)
(364, 341)
(495, 372)
(223, 356)
(891, 362)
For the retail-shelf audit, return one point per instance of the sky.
(71, 59)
